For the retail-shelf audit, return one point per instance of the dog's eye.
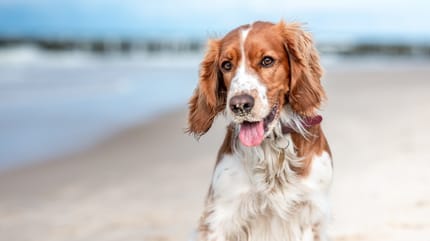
(227, 65)
(267, 61)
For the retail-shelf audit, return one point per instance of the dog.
(274, 168)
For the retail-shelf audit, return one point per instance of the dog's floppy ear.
(210, 95)
(306, 92)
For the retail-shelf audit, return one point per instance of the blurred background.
(79, 77)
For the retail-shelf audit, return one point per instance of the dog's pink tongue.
(251, 134)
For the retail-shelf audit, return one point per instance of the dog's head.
(253, 73)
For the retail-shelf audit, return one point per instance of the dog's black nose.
(241, 104)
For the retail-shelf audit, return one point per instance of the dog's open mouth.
(252, 133)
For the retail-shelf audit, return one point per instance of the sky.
(328, 19)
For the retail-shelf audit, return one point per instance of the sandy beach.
(149, 182)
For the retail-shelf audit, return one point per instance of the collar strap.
(307, 122)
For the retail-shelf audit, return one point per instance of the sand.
(149, 181)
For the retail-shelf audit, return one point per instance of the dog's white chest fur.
(255, 199)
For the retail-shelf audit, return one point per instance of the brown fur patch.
(314, 145)
(306, 92)
(209, 96)
(227, 145)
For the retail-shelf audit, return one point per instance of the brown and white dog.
(274, 169)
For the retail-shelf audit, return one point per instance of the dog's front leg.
(226, 210)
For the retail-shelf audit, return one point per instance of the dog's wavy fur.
(277, 190)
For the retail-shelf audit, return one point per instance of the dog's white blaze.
(245, 82)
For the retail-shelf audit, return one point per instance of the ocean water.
(54, 104)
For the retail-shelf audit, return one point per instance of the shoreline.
(368, 46)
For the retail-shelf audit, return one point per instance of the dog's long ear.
(306, 92)
(210, 95)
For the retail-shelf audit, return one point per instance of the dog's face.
(252, 73)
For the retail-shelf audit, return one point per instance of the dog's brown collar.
(307, 122)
